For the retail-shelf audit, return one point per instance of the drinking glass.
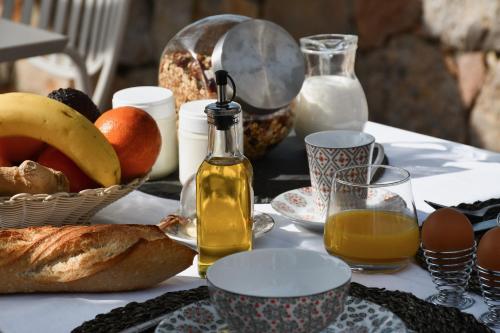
(371, 221)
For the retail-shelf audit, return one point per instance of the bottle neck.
(223, 143)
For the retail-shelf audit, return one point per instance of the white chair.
(95, 30)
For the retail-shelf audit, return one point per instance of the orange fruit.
(135, 136)
(56, 160)
(19, 148)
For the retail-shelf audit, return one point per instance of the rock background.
(429, 66)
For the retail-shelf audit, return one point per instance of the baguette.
(99, 258)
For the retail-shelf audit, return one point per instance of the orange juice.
(371, 236)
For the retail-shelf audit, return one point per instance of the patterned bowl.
(278, 290)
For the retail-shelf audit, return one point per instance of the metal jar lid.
(265, 62)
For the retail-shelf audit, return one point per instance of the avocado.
(77, 100)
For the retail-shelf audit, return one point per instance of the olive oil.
(224, 195)
(224, 199)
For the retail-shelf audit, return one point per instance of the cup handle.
(379, 158)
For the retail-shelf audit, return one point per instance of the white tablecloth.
(442, 171)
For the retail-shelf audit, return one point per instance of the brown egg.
(447, 230)
(488, 251)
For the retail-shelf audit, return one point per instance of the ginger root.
(31, 177)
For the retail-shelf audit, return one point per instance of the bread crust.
(98, 258)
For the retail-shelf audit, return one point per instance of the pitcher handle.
(379, 158)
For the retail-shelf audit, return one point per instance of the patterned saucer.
(298, 206)
(359, 316)
(262, 224)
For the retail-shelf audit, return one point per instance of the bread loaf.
(97, 258)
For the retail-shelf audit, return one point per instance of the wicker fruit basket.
(25, 210)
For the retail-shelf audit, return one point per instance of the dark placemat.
(490, 214)
(136, 313)
(473, 285)
(418, 315)
(283, 169)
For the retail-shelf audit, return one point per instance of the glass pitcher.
(331, 96)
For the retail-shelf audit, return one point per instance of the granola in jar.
(186, 69)
(261, 133)
(190, 78)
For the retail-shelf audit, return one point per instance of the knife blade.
(485, 225)
(434, 205)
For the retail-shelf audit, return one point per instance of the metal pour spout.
(221, 81)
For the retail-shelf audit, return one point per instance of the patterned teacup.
(330, 151)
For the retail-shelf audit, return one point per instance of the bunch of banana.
(42, 118)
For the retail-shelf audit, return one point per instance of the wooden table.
(18, 41)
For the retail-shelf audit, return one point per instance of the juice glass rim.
(405, 176)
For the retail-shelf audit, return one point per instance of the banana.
(42, 118)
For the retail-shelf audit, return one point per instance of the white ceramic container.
(193, 137)
(159, 103)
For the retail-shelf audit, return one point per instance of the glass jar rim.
(338, 43)
(405, 176)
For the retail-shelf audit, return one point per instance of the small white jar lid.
(157, 101)
(192, 117)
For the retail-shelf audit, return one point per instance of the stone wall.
(429, 66)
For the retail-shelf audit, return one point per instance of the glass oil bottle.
(224, 195)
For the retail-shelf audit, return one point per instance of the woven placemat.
(490, 214)
(473, 285)
(419, 316)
